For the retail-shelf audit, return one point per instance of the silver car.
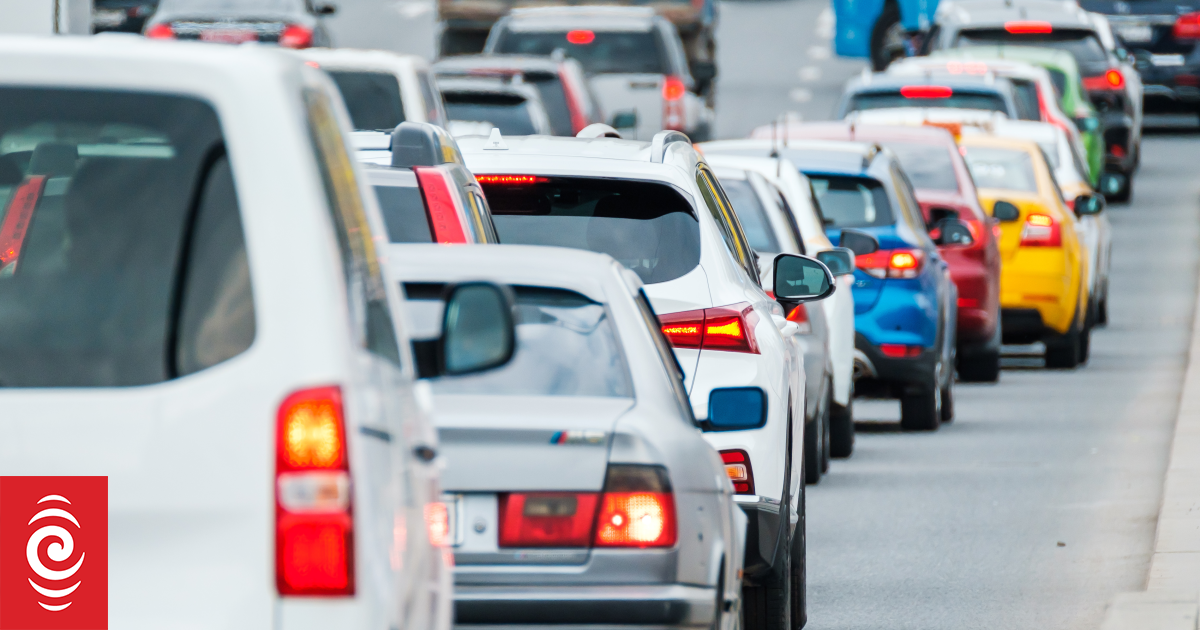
(580, 491)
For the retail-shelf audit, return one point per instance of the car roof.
(355, 59)
(1041, 56)
(488, 85)
(826, 156)
(480, 64)
(850, 130)
(916, 116)
(976, 65)
(990, 13)
(600, 18)
(893, 81)
(607, 148)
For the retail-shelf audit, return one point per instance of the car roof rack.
(598, 130)
(423, 144)
(664, 139)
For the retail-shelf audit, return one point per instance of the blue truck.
(882, 30)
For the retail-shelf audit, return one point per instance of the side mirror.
(735, 408)
(800, 279)
(1004, 212)
(625, 120)
(951, 232)
(478, 332)
(859, 242)
(1089, 204)
(1087, 123)
(325, 9)
(1122, 54)
(704, 71)
(840, 261)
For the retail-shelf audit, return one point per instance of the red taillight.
(926, 91)
(900, 351)
(547, 519)
(737, 466)
(968, 302)
(160, 31)
(1187, 26)
(636, 519)
(581, 38)
(799, 315)
(1041, 230)
(673, 90)
(314, 524)
(16, 221)
(1110, 80)
(892, 263)
(1028, 27)
(445, 219)
(1117, 151)
(511, 180)
(729, 328)
(296, 36)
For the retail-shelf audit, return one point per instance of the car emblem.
(577, 437)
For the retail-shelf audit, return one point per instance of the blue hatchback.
(905, 303)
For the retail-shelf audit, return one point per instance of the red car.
(944, 188)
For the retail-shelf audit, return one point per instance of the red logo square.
(53, 553)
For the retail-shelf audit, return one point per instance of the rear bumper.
(1025, 325)
(675, 605)
(888, 373)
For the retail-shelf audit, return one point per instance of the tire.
(841, 429)
(947, 396)
(768, 606)
(800, 569)
(812, 452)
(825, 438)
(883, 45)
(1062, 351)
(1085, 344)
(982, 367)
(921, 410)
(1102, 312)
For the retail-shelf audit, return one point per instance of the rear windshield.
(404, 213)
(122, 258)
(554, 99)
(566, 346)
(928, 165)
(599, 52)
(851, 202)
(507, 112)
(1082, 45)
(751, 215)
(1027, 100)
(648, 227)
(373, 99)
(1009, 169)
(958, 100)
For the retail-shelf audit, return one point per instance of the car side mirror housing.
(840, 260)
(951, 232)
(625, 120)
(800, 279)
(859, 242)
(478, 332)
(704, 71)
(735, 409)
(325, 9)
(1004, 211)
(1089, 204)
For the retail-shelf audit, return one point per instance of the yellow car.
(1043, 260)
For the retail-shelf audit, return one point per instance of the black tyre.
(887, 38)
(947, 396)
(800, 570)
(921, 410)
(826, 438)
(841, 429)
(812, 452)
(1062, 351)
(767, 606)
(1085, 344)
(1102, 312)
(979, 367)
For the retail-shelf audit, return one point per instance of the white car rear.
(381, 89)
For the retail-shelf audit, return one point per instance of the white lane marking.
(819, 53)
(801, 95)
(826, 23)
(809, 74)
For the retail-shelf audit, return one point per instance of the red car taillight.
(1110, 80)
(926, 91)
(900, 351)
(673, 90)
(1187, 26)
(1041, 230)
(892, 263)
(1028, 27)
(160, 31)
(296, 36)
(445, 220)
(799, 315)
(547, 519)
(314, 522)
(729, 328)
(737, 467)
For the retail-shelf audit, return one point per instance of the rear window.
(1059, 79)
(1009, 169)
(1082, 45)
(373, 99)
(122, 257)
(554, 99)
(404, 213)
(507, 112)
(1027, 100)
(648, 227)
(751, 214)
(928, 165)
(851, 202)
(958, 100)
(566, 346)
(600, 52)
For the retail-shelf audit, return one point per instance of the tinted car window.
(1001, 168)
(373, 99)
(646, 226)
(554, 99)
(851, 201)
(404, 213)
(433, 101)
(507, 112)
(928, 165)
(96, 197)
(752, 215)
(599, 52)
(1082, 45)
(1027, 100)
(959, 100)
(566, 346)
(1059, 79)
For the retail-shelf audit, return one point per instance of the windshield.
(648, 227)
(372, 98)
(928, 165)
(507, 112)
(566, 346)
(751, 215)
(958, 100)
(1082, 45)
(851, 202)
(1010, 169)
(600, 52)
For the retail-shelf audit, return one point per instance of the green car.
(1064, 73)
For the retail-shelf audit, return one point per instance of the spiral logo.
(60, 551)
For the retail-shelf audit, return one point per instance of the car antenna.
(775, 138)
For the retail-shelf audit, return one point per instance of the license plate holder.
(1166, 60)
(1135, 33)
(228, 35)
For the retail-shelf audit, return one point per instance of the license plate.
(1166, 60)
(228, 35)
(1135, 32)
(454, 508)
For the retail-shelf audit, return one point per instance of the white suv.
(657, 208)
(193, 311)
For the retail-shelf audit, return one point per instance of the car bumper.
(888, 371)
(650, 605)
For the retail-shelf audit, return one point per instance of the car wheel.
(1085, 344)
(800, 570)
(812, 452)
(947, 396)
(767, 606)
(921, 410)
(825, 438)
(841, 429)
(1102, 312)
(1062, 351)
(887, 38)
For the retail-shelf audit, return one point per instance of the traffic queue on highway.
(357, 340)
